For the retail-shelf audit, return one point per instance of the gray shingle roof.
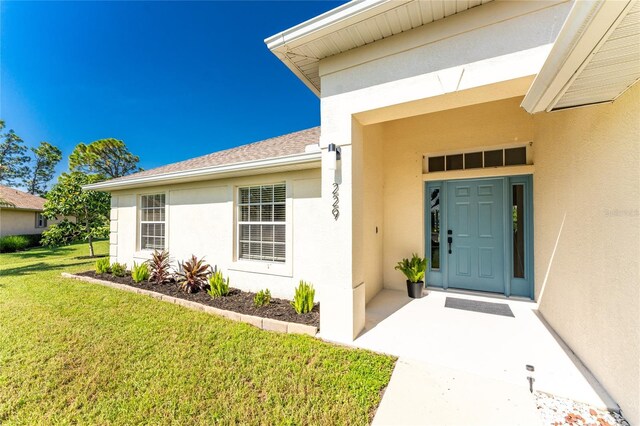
(20, 200)
(280, 146)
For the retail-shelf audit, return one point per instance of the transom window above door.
(476, 160)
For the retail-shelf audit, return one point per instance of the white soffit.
(353, 25)
(595, 59)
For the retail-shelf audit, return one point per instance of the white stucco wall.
(201, 220)
(372, 218)
(19, 222)
(587, 238)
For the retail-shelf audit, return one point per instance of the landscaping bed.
(237, 300)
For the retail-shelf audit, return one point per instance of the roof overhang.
(20, 209)
(595, 49)
(307, 160)
(353, 25)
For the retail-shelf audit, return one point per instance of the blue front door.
(475, 227)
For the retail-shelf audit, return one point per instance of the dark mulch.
(237, 300)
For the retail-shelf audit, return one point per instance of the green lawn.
(73, 352)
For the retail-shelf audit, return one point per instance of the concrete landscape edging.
(259, 322)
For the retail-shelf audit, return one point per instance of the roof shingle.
(280, 146)
(20, 200)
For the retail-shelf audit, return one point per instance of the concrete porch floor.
(448, 356)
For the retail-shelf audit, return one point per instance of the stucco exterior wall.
(587, 238)
(201, 220)
(407, 74)
(406, 141)
(372, 218)
(482, 55)
(19, 222)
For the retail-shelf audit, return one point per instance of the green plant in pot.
(414, 269)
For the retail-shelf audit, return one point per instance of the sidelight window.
(518, 220)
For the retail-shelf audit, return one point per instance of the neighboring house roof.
(291, 151)
(13, 199)
(596, 57)
(353, 25)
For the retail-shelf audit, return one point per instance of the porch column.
(341, 290)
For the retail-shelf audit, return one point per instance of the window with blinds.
(152, 222)
(261, 222)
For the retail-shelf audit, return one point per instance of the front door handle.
(449, 239)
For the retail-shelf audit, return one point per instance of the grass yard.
(73, 352)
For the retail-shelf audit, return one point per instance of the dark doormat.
(476, 306)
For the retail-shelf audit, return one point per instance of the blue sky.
(174, 80)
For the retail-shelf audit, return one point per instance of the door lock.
(449, 239)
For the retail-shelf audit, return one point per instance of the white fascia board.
(585, 27)
(331, 21)
(208, 172)
(326, 23)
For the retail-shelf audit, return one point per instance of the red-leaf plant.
(159, 267)
(193, 275)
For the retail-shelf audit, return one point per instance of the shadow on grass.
(97, 256)
(36, 268)
(42, 252)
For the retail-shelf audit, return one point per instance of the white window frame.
(141, 222)
(41, 220)
(264, 259)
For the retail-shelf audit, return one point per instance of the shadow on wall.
(553, 255)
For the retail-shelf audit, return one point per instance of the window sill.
(260, 267)
(142, 254)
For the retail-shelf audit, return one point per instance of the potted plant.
(414, 270)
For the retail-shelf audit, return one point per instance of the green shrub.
(103, 266)
(118, 269)
(303, 299)
(34, 239)
(12, 243)
(413, 268)
(262, 298)
(140, 272)
(159, 267)
(218, 286)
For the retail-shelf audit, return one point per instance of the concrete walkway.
(425, 394)
(458, 367)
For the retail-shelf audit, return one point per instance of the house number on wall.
(336, 201)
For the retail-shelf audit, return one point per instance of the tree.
(108, 158)
(13, 159)
(89, 208)
(47, 157)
